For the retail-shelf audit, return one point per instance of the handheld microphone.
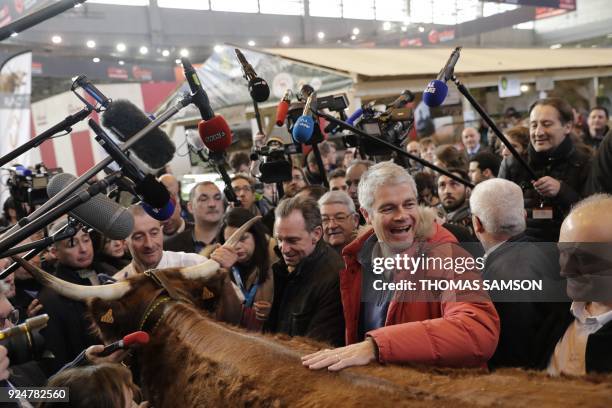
(133, 339)
(198, 96)
(283, 108)
(304, 126)
(102, 214)
(156, 199)
(258, 87)
(125, 120)
(436, 90)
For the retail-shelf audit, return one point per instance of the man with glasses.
(297, 182)
(339, 219)
(244, 187)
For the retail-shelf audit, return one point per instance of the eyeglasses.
(337, 218)
(12, 317)
(243, 188)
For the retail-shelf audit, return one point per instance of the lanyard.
(249, 295)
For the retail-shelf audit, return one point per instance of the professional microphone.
(356, 115)
(198, 96)
(258, 87)
(102, 214)
(217, 137)
(304, 126)
(125, 119)
(138, 338)
(283, 108)
(156, 199)
(436, 90)
(403, 99)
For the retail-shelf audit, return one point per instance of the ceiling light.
(356, 31)
(165, 53)
(121, 62)
(286, 39)
(144, 50)
(404, 29)
(524, 88)
(421, 29)
(184, 52)
(96, 59)
(177, 61)
(91, 44)
(386, 26)
(555, 46)
(121, 47)
(56, 39)
(251, 43)
(320, 35)
(218, 48)
(353, 37)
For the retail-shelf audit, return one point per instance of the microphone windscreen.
(215, 134)
(153, 192)
(139, 337)
(99, 212)
(281, 112)
(259, 90)
(435, 93)
(354, 116)
(159, 213)
(303, 129)
(126, 119)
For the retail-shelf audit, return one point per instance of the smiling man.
(384, 326)
(560, 168)
(306, 286)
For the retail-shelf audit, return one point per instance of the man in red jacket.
(457, 328)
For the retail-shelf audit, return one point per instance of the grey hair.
(338, 197)
(306, 206)
(384, 173)
(499, 205)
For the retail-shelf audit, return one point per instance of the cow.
(194, 361)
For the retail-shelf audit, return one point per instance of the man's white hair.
(338, 197)
(499, 205)
(384, 173)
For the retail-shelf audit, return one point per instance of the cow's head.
(118, 308)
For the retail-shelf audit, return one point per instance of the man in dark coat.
(561, 170)
(68, 331)
(306, 279)
(600, 177)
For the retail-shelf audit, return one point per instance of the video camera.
(24, 342)
(392, 125)
(30, 186)
(276, 168)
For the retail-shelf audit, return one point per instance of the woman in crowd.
(110, 256)
(96, 386)
(518, 137)
(252, 272)
(448, 156)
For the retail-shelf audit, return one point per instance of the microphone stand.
(391, 146)
(316, 137)
(66, 206)
(63, 126)
(67, 231)
(16, 230)
(466, 92)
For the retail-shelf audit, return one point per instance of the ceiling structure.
(156, 32)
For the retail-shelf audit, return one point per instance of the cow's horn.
(233, 240)
(71, 290)
(209, 268)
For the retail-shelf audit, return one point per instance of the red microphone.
(215, 134)
(283, 108)
(132, 339)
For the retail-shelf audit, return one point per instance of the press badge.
(542, 213)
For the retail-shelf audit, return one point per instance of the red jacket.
(459, 334)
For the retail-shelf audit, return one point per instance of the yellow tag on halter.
(108, 317)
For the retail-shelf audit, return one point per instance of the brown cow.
(194, 361)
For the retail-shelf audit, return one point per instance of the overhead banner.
(559, 4)
(508, 86)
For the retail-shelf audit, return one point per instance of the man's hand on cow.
(336, 359)
(34, 308)
(226, 257)
(92, 355)
(547, 186)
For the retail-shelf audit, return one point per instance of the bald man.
(581, 343)
(175, 224)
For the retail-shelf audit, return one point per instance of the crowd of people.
(306, 268)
